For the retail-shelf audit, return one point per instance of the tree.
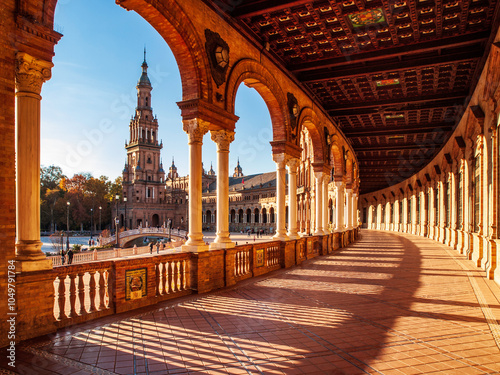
(50, 178)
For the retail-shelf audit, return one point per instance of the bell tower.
(143, 175)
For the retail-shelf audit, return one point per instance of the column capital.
(222, 138)
(31, 73)
(281, 159)
(195, 129)
(293, 164)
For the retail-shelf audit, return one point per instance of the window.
(382, 212)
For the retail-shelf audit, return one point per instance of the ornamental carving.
(222, 138)
(195, 129)
(31, 73)
(218, 54)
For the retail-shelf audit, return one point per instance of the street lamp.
(117, 221)
(67, 225)
(91, 217)
(169, 223)
(100, 209)
(125, 220)
(117, 197)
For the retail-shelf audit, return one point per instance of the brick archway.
(256, 76)
(336, 159)
(310, 121)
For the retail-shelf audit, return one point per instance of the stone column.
(223, 139)
(340, 207)
(325, 204)
(355, 210)
(292, 198)
(31, 73)
(195, 129)
(280, 160)
(349, 208)
(319, 203)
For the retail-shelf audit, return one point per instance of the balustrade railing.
(82, 292)
(273, 254)
(172, 274)
(91, 290)
(242, 259)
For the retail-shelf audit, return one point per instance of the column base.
(33, 265)
(194, 248)
(319, 233)
(222, 245)
(280, 237)
(293, 235)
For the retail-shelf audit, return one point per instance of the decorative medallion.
(367, 17)
(136, 283)
(218, 54)
(259, 257)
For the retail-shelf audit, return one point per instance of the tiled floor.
(388, 304)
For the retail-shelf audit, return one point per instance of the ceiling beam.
(257, 8)
(461, 41)
(316, 75)
(396, 130)
(453, 99)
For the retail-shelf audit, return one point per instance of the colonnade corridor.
(390, 303)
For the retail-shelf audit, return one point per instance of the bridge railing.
(135, 232)
(99, 255)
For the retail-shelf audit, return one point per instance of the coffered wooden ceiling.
(395, 75)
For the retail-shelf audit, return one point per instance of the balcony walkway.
(387, 304)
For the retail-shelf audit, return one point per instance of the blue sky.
(88, 102)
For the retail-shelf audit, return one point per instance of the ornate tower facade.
(143, 175)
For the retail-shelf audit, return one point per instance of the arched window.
(264, 216)
(249, 215)
(256, 215)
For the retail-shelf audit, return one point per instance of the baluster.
(238, 264)
(92, 291)
(102, 290)
(182, 286)
(81, 294)
(164, 278)
(176, 277)
(157, 279)
(72, 296)
(170, 271)
(61, 298)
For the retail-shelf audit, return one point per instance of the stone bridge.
(129, 235)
